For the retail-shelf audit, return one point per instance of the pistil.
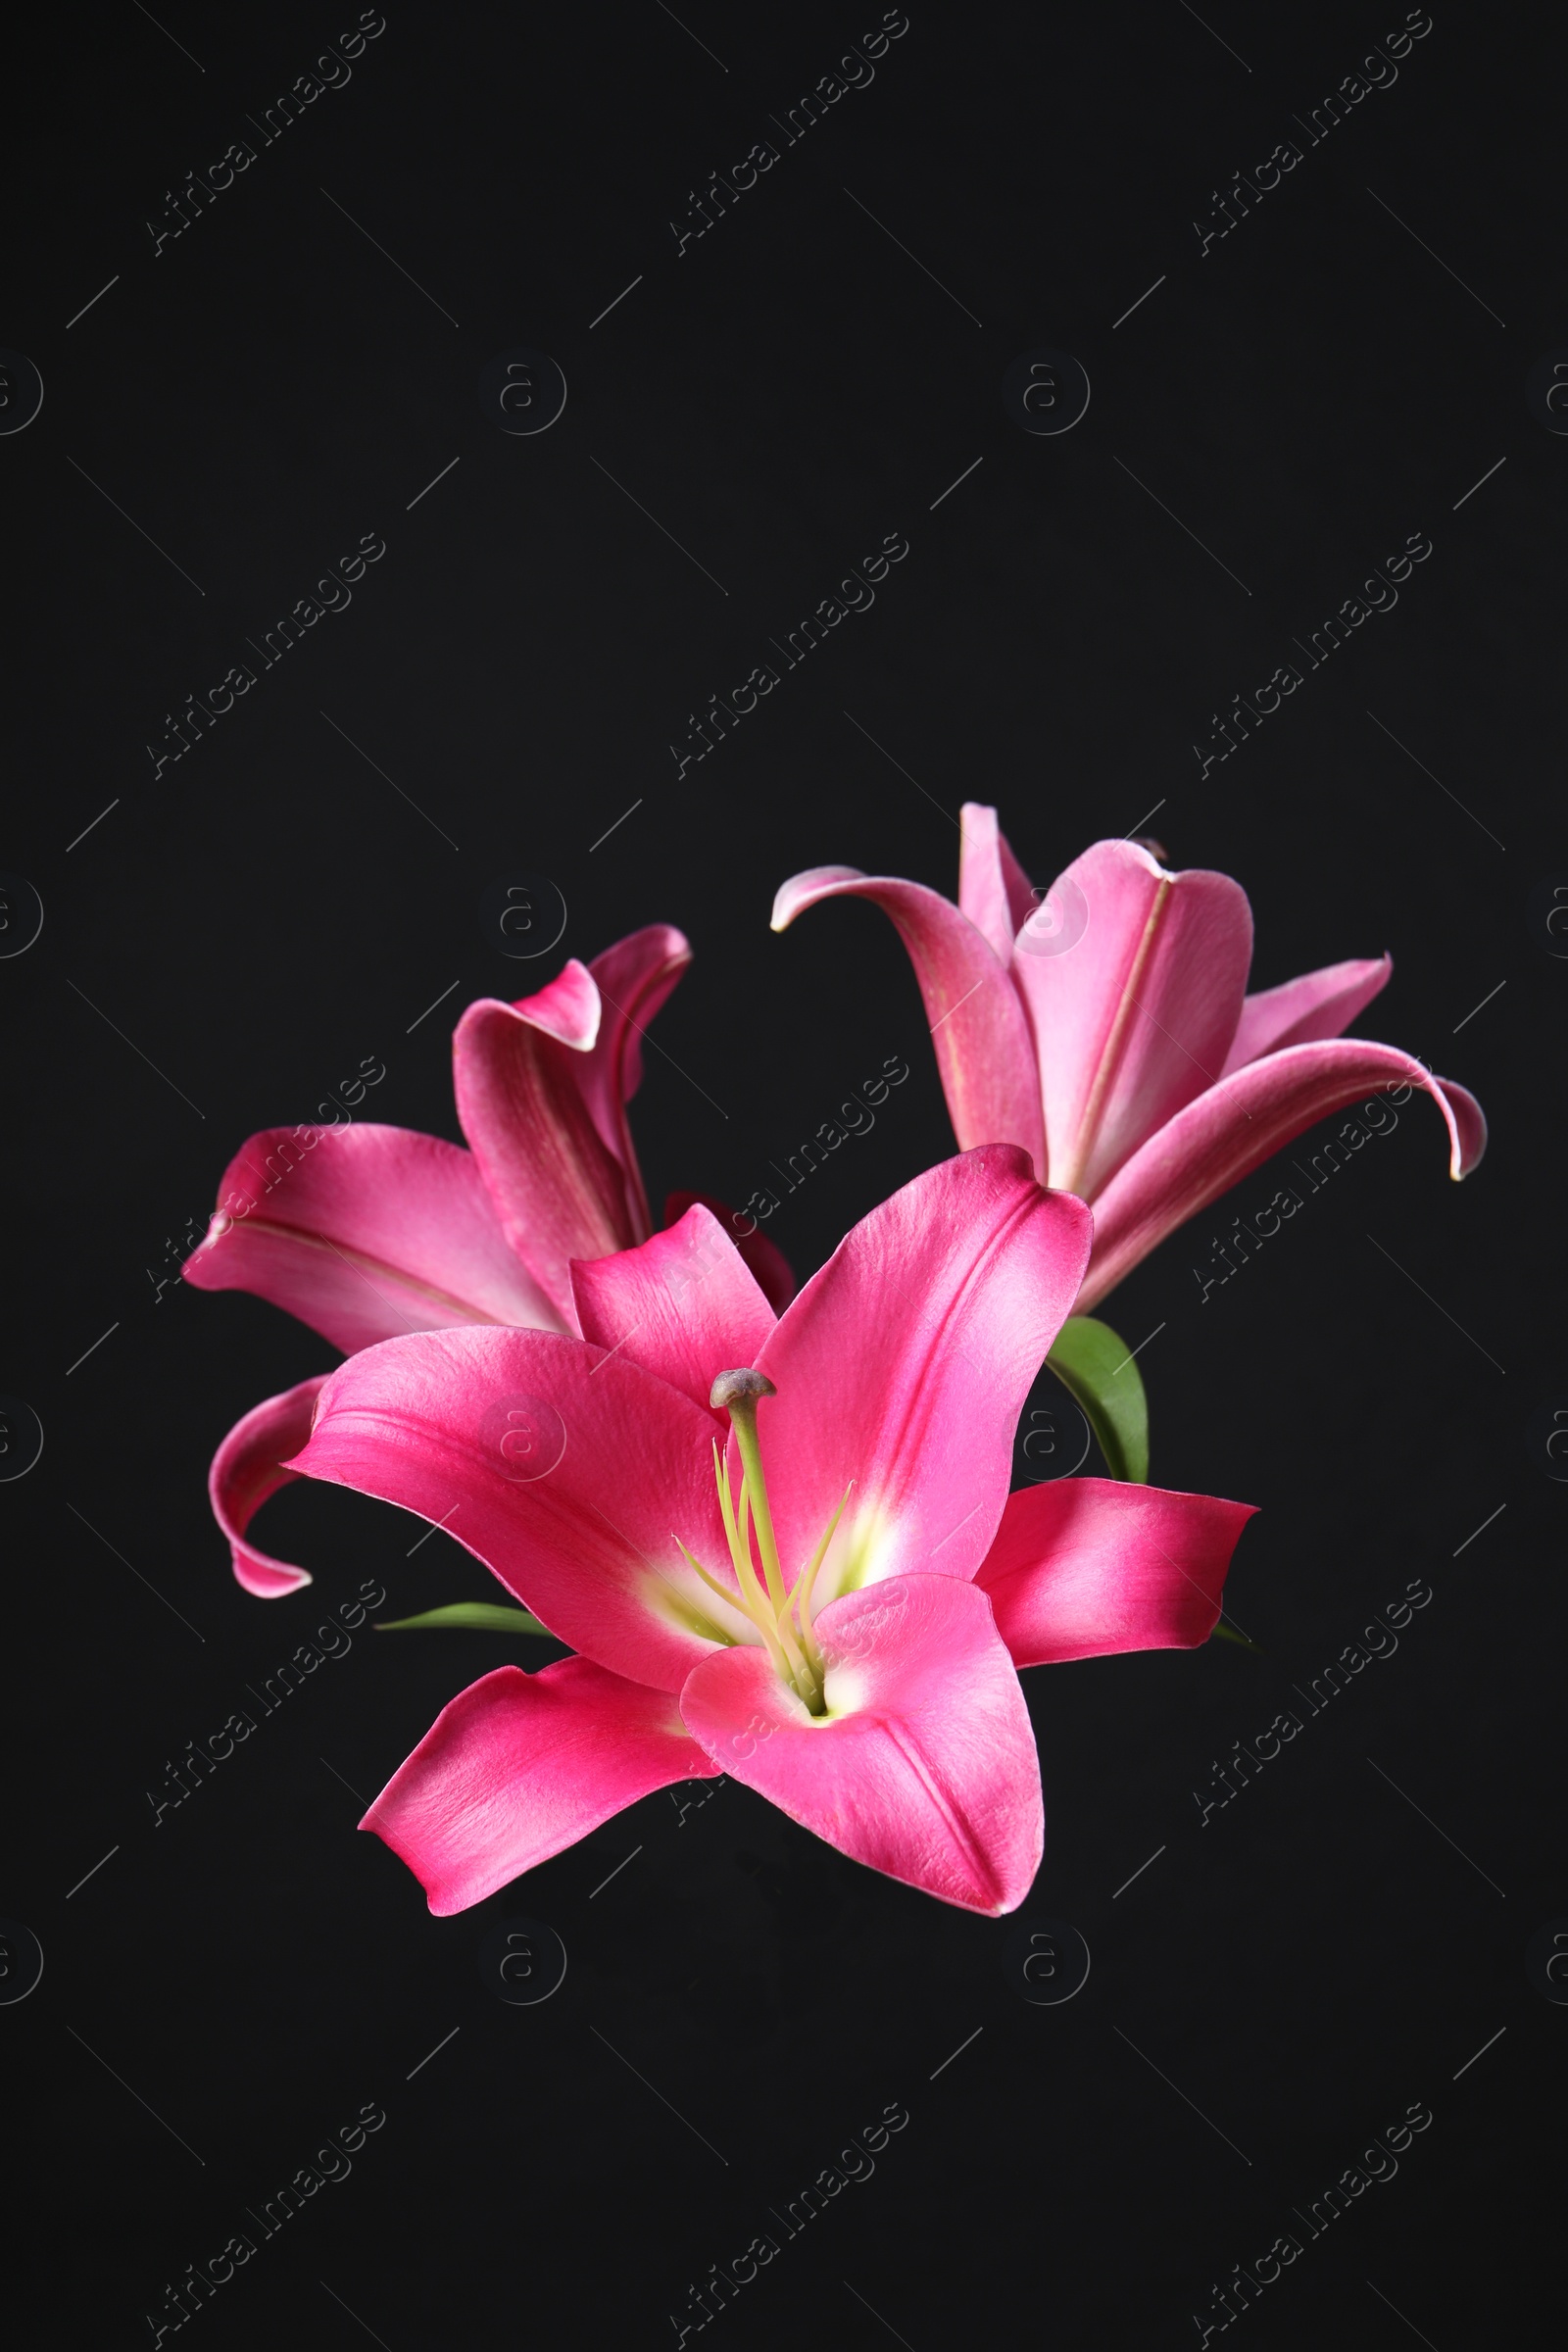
(782, 1618)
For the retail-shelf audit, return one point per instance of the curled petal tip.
(803, 888)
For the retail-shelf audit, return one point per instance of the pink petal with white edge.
(569, 1472)
(977, 1024)
(365, 1231)
(521, 1765)
(682, 1305)
(519, 1074)
(247, 1468)
(924, 1766)
(1240, 1123)
(764, 1260)
(1137, 1016)
(903, 1365)
(1321, 1003)
(994, 890)
(1087, 1566)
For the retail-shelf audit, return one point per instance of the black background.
(269, 911)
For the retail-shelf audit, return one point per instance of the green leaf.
(1228, 1633)
(1097, 1370)
(474, 1616)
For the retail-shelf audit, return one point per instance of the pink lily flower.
(1104, 1027)
(363, 1231)
(782, 1546)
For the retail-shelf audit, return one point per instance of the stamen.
(734, 1599)
(795, 1653)
(801, 1598)
(738, 1394)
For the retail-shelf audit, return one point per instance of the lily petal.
(767, 1264)
(1136, 1016)
(1240, 1123)
(924, 1765)
(522, 1084)
(365, 1231)
(520, 1765)
(977, 1024)
(1083, 1567)
(248, 1467)
(570, 1473)
(994, 890)
(903, 1366)
(682, 1305)
(633, 978)
(1321, 1003)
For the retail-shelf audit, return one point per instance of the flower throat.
(783, 1619)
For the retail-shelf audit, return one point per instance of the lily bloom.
(363, 1231)
(782, 1546)
(1103, 1026)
